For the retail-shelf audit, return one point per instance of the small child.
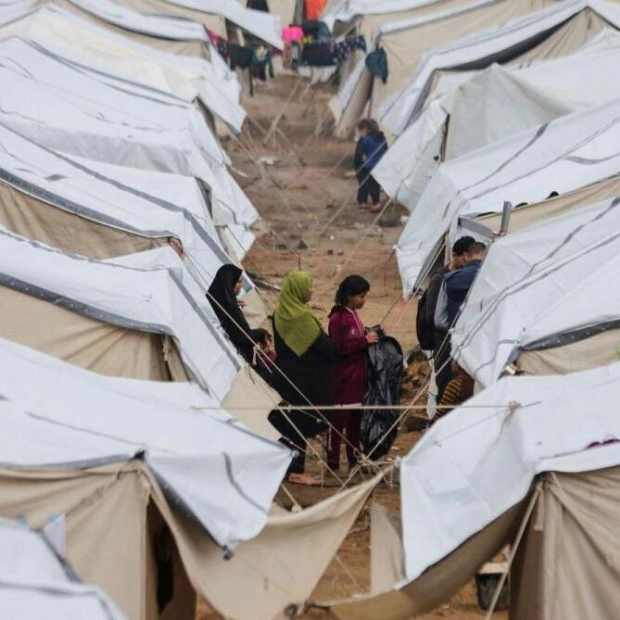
(371, 147)
(264, 356)
(351, 341)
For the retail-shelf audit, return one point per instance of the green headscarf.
(293, 318)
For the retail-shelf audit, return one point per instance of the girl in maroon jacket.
(350, 340)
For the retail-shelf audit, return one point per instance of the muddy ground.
(301, 185)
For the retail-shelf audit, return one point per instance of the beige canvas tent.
(404, 43)
(139, 506)
(531, 461)
(560, 569)
(600, 348)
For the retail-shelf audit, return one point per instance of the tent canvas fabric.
(108, 536)
(152, 300)
(141, 446)
(101, 211)
(164, 138)
(486, 45)
(525, 295)
(185, 77)
(208, 464)
(212, 14)
(513, 98)
(466, 484)
(35, 582)
(371, 15)
(545, 424)
(279, 569)
(569, 152)
(406, 41)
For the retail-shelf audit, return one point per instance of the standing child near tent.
(264, 356)
(351, 342)
(371, 147)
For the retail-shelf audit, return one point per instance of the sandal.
(375, 208)
(303, 479)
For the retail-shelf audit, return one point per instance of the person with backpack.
(432, 337)
(350, 340)
(371, 147)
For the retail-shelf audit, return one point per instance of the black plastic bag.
(378, 427)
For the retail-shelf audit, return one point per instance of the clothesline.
(353, 407)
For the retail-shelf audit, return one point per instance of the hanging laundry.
(314, 8)
(240, 56)
(343, 49)
(317, 55)
(377, 64)
(258, 5)
(292, 33)
(220, 44)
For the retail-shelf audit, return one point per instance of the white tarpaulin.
(187, 78)
(485, 46)
(565, 154)
(546, 285)
(480, 460)
(154, 299)
(263, 25)
(405, 41)
(35, 584)
(487, 106)
(148, 204)
(93, 115)
(207, 463)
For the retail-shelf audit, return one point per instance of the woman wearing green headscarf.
(305, 356)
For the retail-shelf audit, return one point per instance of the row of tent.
(504, 119)
(525, 113)
(136, 440)
(136, 453)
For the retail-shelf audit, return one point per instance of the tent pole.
(515, 546)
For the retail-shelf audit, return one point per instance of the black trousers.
(368, 188)
(303, 425)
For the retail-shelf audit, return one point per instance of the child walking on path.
(351, 341)
(371, 147)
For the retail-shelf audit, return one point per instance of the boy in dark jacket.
(371, 147)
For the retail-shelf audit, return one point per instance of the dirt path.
(307, 201)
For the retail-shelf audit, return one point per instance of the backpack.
(425, 317)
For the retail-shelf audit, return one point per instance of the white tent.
(512, 98)
(107, 445)
(532, 95)
(406, 41)
(150, 299)
(185, 77)
(486, 454)
(541, 289)
(372, 14)
(466, 486)
(263, 25)
(162, 31)
(121, 472)
(565, 154)
(110, 210)
(206, 462)
(35, 583)
(498, 44)
(167, 135)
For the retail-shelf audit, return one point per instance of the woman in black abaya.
(222, 296)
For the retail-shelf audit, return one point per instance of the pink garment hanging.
(292, 33)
